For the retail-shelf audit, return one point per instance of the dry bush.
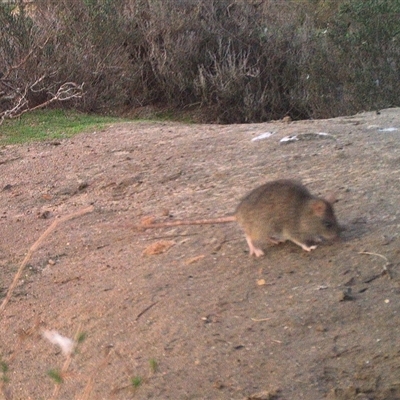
(65, 42)
(87, 46)
(242, 61)
(24, 83)
(366, 34)
(165, 47)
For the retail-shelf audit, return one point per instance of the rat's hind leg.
(253, 249)
(274, 240)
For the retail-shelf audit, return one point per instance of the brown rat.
(285, 210)
(276, 212)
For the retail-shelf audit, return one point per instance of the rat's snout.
(337, 238)
(332, 235)
(341, 228)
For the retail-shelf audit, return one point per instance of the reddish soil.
(201, 320)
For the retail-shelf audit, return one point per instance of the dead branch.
(35, 246)
(66, 91)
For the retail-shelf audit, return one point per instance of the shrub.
(238, 61)
(366, 34)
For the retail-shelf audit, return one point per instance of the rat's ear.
(318, 207)
(331, 198)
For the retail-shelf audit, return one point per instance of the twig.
(145, 310)
(35, 246)
(374, 254)
(260, 320)
(385, 267)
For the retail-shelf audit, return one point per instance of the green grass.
(153, 365)
(3, 370)
(81, 337)
(50, 125)
(136, 381)
(56, 376)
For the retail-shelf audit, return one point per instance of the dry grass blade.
(385, 267)
(373, 254)
(90, 383)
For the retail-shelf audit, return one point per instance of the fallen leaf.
(147, 220)
(159, 247)
(265, 395)
(194, 259)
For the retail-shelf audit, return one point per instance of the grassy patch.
(56, 376)
(49, 125)
(3, 371)
(153, 365)
(81, 337)
(136, 381)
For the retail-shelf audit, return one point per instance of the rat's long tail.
(220, 220)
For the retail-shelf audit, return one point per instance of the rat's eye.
(328, 224)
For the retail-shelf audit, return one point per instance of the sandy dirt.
(201, 320)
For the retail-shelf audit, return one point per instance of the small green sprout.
(153, 365)
(55, 375)
(136, 381)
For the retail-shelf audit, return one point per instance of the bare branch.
(66, 91)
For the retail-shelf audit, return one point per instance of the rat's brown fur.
(285, 210)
